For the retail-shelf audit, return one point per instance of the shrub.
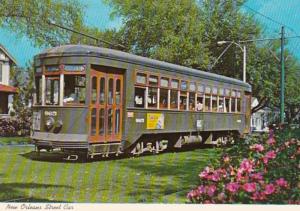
(255, 170)
(16, 126)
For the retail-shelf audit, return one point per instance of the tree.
(32, 18)
(186, 33)
(163, 30)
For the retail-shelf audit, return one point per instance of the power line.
(269, 18)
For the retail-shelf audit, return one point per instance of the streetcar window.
(110, 121)
(174, 99)
(152, 97)
(200, 88)
(52, 68)
(74, 68)
(238, 107)
(93, 121)
(192, 87)
(174, 84)
(183, 85)
(233, 101)
(163, 98)
(221, 103)
(118, 91)
(192, 101)
(199, 105)
(101, 121)
(227, 102)
(110, 95)
(52, 90)
(139, 97)
(141, 78)
(38, 69)
(102, 91)
(117, 121)
(214, 103)
(74, 90)
(153, 80)
(94, 90)
(183, 101)
(207, 90)
(207, 102)
(38, 87)
(214, 90)
(164, 82)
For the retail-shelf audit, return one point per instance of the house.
(261, 119)
(6, 91)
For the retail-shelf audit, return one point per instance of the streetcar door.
(106, 106)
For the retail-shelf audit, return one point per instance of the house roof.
(8, 89)
(8, 54)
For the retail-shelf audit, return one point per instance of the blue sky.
(97, 14)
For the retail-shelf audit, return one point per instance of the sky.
(286, 12)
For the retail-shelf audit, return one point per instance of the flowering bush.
(16, 126)
(255, 170)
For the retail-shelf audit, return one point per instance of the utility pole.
(282, 77)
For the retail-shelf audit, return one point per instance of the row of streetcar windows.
(74, 85)
(156, 92)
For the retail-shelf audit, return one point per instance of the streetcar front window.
(38, 86)
(74, 90)
(52, 90)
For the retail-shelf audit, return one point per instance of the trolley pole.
(282, 77)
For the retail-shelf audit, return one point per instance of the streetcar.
(100, 101)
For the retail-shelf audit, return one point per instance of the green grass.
(14, 140)
(163, 178)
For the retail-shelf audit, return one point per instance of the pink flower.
(192, 194)
(250, 187)
(265, 160)
(232, 187)
(271, 154)
(269, 189)
(256, 176)
(271, 141)
(257, 147)
(215, 177)
(258, 196)
(221, 196)
(211, 190)
(204, 173)
(247, 165)
(201, 189)
(282, 183)
(240, 176)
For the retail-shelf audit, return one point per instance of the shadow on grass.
(13, 192)
(59, 157)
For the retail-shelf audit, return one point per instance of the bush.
(255, 170)
(16, 126)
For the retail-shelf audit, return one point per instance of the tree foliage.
(32, 18)
(187, 32)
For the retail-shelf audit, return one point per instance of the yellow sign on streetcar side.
(155, 121)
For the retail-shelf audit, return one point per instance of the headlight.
(59, 123)
(49, 123)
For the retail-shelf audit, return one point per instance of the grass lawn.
(163, 178)
(14, 140)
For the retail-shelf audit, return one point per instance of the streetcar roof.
(86, 50)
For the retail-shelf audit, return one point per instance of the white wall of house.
(5, 73)
(4, 69)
